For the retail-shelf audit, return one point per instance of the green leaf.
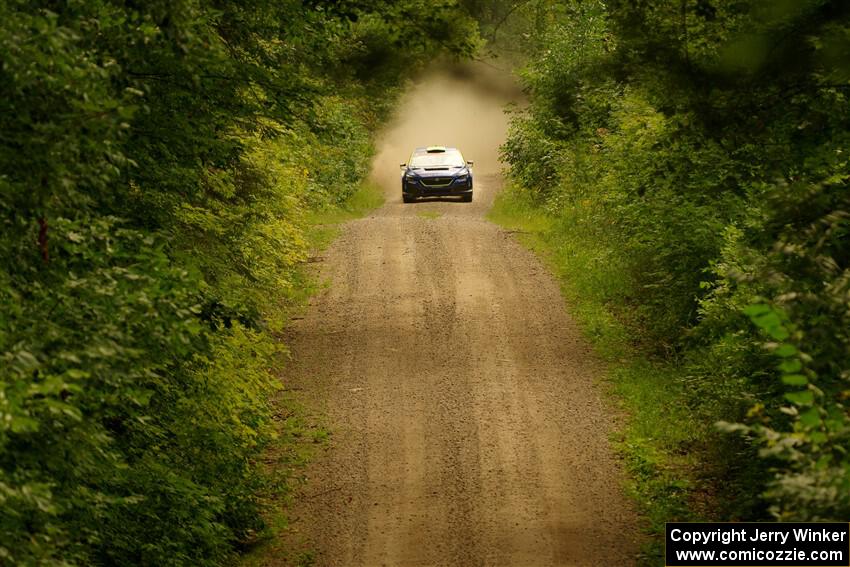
(795, 380)
(785, 350)
(802, 398)
(23, 424)
(810, 417)
(771, 324)
(768, 319)
(823, 461)
(756, 309)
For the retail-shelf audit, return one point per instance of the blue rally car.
(436, 171)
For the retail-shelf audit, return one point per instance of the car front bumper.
(423, 189)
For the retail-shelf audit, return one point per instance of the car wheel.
(467, 198)
(407, 198)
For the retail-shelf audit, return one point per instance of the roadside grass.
(658, 429)
(323, 224)
(299, 432)
(299, 436)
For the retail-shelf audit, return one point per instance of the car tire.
(467, 198)
(407, 198)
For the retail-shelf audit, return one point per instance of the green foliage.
(700, 149)
(803, 313)
(158, 163)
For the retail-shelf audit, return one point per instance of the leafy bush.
(703, 145)
(156, 165)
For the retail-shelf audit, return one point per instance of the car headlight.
(462, 178)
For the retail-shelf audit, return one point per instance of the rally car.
(436, 171)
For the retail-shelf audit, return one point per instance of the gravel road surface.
(467, 422)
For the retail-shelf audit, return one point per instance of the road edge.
(647, 405)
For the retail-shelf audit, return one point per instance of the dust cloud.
(454, 105)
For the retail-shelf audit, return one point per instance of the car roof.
(433, 150)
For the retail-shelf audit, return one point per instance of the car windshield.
(449, 158)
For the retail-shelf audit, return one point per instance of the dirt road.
(467, 428)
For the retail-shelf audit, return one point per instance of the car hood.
(439, 172)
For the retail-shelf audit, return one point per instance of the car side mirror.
(470, 163)
(402, 165)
